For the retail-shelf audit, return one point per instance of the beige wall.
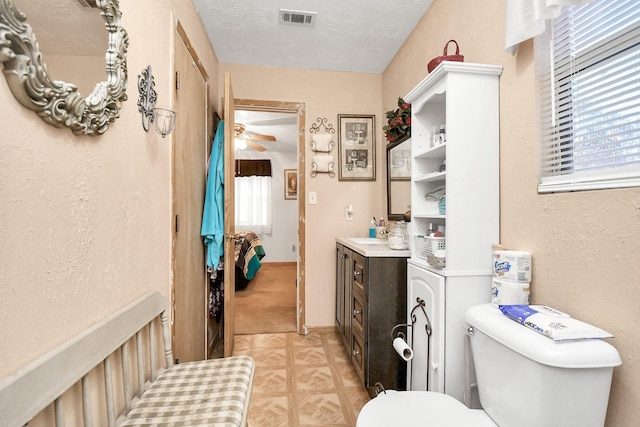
(585, 245)
(325, 94)
(85, 221)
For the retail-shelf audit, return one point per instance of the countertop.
(371, 247)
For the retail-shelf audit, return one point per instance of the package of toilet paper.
(513, 266)
(552, 323)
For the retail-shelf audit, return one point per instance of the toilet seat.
(419, 409)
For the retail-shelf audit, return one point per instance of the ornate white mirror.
(57, 102)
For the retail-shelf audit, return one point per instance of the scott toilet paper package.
(513, 266)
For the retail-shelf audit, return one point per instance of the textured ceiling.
(348, 35)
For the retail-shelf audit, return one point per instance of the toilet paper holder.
(395, 334)
(420, 303)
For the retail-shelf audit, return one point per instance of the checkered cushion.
(205, 393)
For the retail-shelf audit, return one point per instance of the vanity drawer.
(358, 316)
(359, 274)
(357, 357)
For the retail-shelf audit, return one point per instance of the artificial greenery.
(398, 122)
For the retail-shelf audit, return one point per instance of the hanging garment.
(216, 295)
(213, 213)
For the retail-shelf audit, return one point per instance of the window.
(253, 196)
(588, 84)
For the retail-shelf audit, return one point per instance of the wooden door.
(229, 218)
(190, 290)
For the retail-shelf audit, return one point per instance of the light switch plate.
(313, 198)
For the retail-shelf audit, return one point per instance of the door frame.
(299, 109)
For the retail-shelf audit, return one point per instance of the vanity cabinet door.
(386, 279)
(344, 276)
(340, 257)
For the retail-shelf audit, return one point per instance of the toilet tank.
(526, 379)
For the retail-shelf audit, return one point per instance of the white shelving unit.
(464, 97)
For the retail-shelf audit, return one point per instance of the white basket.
(426, 246)
(435, 244)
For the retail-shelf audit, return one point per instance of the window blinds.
(588, 83)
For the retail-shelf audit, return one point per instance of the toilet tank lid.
(586, 353)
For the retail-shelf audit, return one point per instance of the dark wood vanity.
(370, 301)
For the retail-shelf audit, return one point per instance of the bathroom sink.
(368, 241)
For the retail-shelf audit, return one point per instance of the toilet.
(524, 379)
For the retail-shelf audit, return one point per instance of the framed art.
(290, 184)
(356, 147)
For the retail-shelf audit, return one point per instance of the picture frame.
(290, 184)
(356, 147)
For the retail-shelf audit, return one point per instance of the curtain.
(527, 19)
(253, 204)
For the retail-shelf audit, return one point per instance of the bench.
(125, 364)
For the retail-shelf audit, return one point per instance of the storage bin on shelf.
(432, 249)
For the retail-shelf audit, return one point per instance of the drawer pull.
(356, 352)
(356, 312)
(356, 273)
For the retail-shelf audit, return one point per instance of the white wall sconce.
(164, 120)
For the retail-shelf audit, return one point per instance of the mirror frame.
(406, 216)
(56, 102)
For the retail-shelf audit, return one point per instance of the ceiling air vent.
(88, 3)
(296, 17)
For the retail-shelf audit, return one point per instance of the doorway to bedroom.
(270, 132)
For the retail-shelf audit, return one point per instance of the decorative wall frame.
(290, 184)
(56, 102)
(356, 147)
(322, 141)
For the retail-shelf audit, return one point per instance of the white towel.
(322, 162)
(527, 18)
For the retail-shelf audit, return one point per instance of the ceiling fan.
(248, 138)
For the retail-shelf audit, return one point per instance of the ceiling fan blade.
(260, 136)
(254, 145)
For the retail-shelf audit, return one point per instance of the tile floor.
(302, 381)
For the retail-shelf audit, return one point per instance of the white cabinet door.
(426, 369)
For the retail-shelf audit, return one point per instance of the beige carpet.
(268, 304)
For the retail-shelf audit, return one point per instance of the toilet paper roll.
(509, 293)
(403, 349)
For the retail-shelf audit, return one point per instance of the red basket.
(445, 56)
